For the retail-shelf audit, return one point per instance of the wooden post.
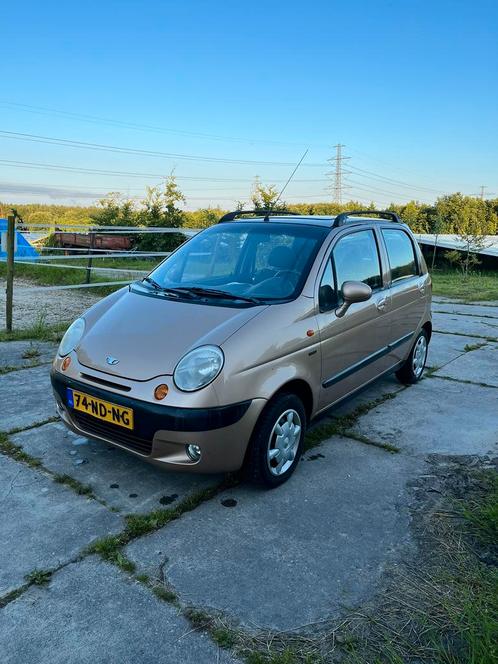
(10, 271)
(90, 260)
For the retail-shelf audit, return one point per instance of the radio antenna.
(290, 178)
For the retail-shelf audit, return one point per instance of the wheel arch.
(301, 389)
(427, 326)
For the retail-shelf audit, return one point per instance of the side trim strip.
(345, 373)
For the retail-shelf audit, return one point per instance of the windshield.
(257, 261)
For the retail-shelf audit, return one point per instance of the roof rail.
(385, 214)
(230, 216)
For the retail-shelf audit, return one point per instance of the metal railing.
(89, 260)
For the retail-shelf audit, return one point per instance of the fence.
(58, 283)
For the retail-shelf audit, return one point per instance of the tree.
(203, 218)
(115, 210)
(266, 197)
(471, 220)
(436, 227)
(160, 209)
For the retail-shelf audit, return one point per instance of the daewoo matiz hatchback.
(221, 357)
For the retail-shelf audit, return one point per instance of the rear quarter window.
(401, 253)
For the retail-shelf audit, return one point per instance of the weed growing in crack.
(468, 348)
(31, 353)
(164, 594)
(16, 452)
(137, 525)
(38, 577)
(75, 485)
(342, 425)
(36, 425)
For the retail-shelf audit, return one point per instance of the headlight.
(72, 337)
(198, 368)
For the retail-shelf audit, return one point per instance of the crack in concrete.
(472, 336)
(460, 313)
(460, 380)
(18, 592)
(11, 369)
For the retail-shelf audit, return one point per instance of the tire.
(270, 462)
(412, 370)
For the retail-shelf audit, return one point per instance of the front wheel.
(277, 441)
(413, 368)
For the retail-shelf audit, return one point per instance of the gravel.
(52, 306)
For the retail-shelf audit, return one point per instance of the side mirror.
(352, 292)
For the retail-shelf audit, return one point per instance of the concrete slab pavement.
(121, 479)
(26, 397)
(26, 353)
(297, 554)
(43, 524)
(445, 348)
(478, 366)
(91, 612)
(436, 416)
(456, 324)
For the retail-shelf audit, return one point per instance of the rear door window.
(401, 254)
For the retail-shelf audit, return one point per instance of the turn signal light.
(65, 363)
(161, 391)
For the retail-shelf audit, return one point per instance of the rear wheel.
(413, 368)
(277, 441)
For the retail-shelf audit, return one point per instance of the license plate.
(102, 410)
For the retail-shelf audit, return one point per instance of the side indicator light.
(161, 391)
(310, 333)
(65, 363)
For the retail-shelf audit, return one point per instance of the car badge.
(111, 360)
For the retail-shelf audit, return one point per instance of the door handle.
(421, 287)
(381, 304)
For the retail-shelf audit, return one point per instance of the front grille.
(99, 428)
(107, 383)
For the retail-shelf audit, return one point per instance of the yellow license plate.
(102, 410)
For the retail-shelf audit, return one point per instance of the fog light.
(161, 391)
(65, 363)
(193, 452)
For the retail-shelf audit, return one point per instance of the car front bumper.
(162, 432)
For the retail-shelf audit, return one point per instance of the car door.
(354, 348)
(408, 289)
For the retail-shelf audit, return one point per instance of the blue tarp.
(23, 250)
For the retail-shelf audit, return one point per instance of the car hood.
(148, 334)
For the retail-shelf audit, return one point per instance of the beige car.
(222, 356)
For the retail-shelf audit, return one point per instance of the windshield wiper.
(197, 290)
(153, 282)
(173, 292)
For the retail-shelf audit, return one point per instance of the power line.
(50, 140)
(361, 172)
(42, 110)
(134, 174)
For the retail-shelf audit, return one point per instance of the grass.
(475, 287)
(16, 452)
(75, 485)
(38, 577)
(482, 513)
(445, 609)
(470, 347)
(48, 275)
(39, 331)
(137, 525)
(31, 353)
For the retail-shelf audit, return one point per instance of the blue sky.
(410, 87)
